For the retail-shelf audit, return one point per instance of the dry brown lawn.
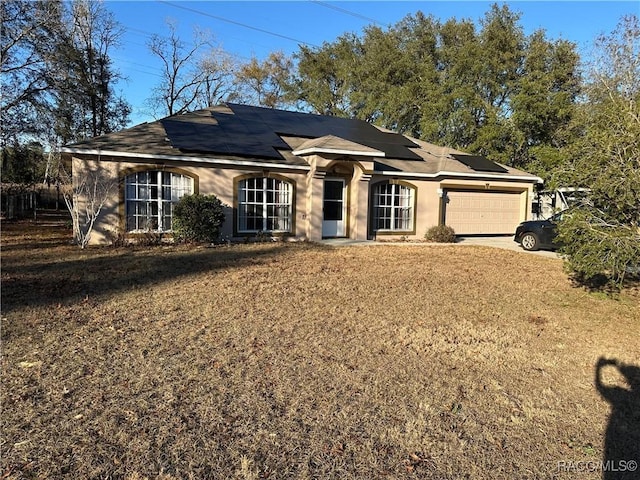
(303, 361)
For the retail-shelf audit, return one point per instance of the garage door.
(471, 213)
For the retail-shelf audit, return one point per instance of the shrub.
(599, 249)
(198, 218)
(440, 234)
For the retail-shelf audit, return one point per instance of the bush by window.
(441, 234)
(198, 218)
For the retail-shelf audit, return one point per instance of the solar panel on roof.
(254, 131)
(313, 126)
(479, 163)
(227, 136)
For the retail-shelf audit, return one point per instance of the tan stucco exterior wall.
(426, 206)
(428, 199)
(216, 180)
(313, 202)
(357, 194)
(105, 229)
(309, 185)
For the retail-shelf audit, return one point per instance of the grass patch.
(301, 361)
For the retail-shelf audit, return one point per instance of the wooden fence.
(23, 202)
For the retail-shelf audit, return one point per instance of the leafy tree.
(486, 89)
(27, 32)
(454, 119)
(496, 70)
(602, 237)
(58, 79)
(23, 163)
(323, 77)
(397, 75)
(198, 218)
(545, 103)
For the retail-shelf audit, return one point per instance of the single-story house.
(298, 175)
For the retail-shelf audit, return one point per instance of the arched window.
(393, 207)
(150, 197)
(265, 204)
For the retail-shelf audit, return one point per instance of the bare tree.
(218, 78)
(181, 79)
(195, 75)
(265, 83)
(86, 194)
(86, 104)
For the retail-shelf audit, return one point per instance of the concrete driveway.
(502, 242)
(505, 242)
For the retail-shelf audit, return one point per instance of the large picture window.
(264, 204)
(150, 197)
(393, 206)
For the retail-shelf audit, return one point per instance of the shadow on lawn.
(50, 280)
(622, 443)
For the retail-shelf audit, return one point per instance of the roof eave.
(337, 151)
(180, 158)
(444, 173)
(284, 166)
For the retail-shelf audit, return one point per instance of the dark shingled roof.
(239, 132)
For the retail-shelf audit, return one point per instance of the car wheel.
(530, 242)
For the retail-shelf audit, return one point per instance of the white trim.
(337, 151)
(457, 174)
(246, 163)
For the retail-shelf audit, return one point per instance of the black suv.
(536, 234)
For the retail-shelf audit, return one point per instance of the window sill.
(394, 232)
(274, 233)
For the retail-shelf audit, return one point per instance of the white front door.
(334, 208)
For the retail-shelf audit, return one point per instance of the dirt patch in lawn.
(303, 361)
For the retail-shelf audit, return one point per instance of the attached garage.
(483, 213)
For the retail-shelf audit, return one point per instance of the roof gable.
(335, 145)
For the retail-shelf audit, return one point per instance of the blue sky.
(256, 28)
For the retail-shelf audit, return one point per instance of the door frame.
(341, 229)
